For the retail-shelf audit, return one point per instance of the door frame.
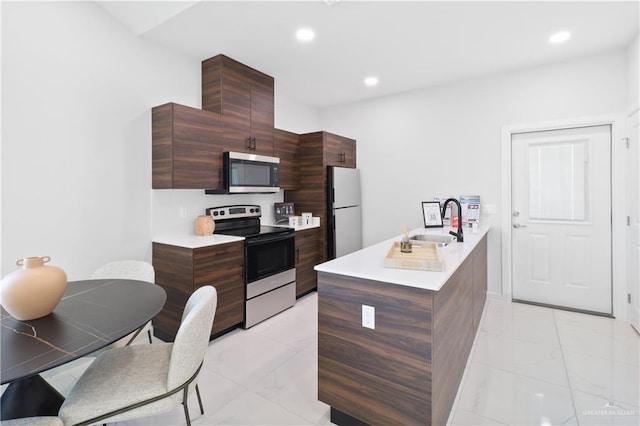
(618, 199)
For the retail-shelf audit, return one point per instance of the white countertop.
(368, 263)
(195, 241)
(300, 227)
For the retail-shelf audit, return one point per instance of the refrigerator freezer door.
(348, 232)
(346, 187)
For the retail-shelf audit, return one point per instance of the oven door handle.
(281, 237)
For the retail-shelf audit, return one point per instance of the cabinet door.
(186, 148)
(307, 256)
(349, 153)
(222, 267)
(333, 150)
(236, 107)
(262, 112)
(286, 147)
(339, 151)
(174, 273)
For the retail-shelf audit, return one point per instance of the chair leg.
(199, 399)
(149, 334)
(184, 405)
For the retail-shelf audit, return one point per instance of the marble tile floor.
(529, 366)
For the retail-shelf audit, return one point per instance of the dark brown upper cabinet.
(339, 151)
(244, 96)
(186, 148)
(286, 146)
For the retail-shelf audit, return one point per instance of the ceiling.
(406, 44)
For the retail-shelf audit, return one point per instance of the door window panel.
(558, 181)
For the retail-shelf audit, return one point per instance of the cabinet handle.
(297, 255)
(248, 143)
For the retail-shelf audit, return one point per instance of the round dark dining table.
(91, 315)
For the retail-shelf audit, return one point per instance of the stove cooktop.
(253, 231)
(242, 221)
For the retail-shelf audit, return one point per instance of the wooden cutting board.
(423, 257)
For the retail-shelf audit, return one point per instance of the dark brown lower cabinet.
(180, 271)
(407, 370)
(307, 256)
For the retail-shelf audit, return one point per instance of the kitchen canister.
(205, 225)
(34, 290)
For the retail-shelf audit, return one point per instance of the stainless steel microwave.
(250, 173)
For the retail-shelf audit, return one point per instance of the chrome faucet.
(458, 234)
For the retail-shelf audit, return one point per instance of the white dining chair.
(143, 380)
(133, 270)
(33, 421)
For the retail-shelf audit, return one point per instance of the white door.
(634, 219)
(561, 218)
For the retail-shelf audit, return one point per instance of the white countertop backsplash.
(174, 211)
(368, 263)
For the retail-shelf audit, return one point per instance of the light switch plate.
(369, 317)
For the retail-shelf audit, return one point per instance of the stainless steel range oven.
(269, 262)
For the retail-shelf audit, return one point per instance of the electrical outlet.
(369, 317)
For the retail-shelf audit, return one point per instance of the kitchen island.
(407, 369)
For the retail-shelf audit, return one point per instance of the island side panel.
(479, 281)
(380, 376)
(453, 334)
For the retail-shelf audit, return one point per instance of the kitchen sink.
(439, 240)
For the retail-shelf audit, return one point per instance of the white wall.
(77, 95)
(445, 140)
(78, 89)
(293, 115)
(633, 72)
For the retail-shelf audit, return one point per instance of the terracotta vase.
(205, 225)
(33, 291)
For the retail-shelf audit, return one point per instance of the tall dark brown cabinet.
(319, 150)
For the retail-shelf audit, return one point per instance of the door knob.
(516, 214)
(517, 225)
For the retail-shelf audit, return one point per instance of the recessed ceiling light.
(371, 81)
(305, 34)
(560, 37)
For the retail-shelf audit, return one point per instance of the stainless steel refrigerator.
(345, 216)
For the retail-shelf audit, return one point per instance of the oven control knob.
(257, 210)
(215, 213)
(222, 213)
(252, 210)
